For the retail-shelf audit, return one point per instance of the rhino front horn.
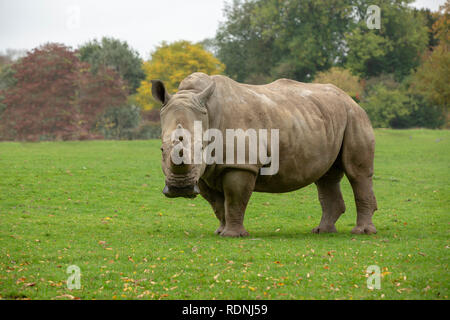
(196, 189)
(166, 190)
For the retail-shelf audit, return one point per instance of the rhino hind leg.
(331, 200)
(216, 200)
(358, 151)
(365, 205)
(238, 186)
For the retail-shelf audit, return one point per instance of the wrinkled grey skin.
(323, 134)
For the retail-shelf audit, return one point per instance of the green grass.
(98, 205)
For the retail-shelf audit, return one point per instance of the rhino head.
(178, 115)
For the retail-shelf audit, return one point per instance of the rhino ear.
(205, 94)
(159, 91)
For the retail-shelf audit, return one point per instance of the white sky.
(25, 24)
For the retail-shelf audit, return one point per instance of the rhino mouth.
(182, 185)
(187, 191)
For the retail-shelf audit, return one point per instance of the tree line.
(399, 73)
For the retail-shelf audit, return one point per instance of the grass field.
(98, 205)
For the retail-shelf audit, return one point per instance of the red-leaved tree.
(56, 97)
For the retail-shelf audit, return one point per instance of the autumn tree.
(433, 76)
(173, 62)
(56, 96)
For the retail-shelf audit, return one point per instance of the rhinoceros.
(323, 134)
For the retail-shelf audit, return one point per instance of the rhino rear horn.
(205, 94)
(159, 91)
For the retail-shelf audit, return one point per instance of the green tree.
(7, 80)
(240, 46)
(7, 77)
(115, 54)
(261, 40)
(394, 48)
(294, 39)
(172, 63)
(430, 19)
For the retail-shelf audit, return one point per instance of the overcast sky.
(25, 24)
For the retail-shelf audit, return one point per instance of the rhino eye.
(162, 149)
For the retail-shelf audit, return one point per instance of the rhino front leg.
(216, 200)
(238, 186)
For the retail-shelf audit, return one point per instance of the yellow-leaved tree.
(171, 63)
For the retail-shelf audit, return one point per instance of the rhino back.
(311, 119)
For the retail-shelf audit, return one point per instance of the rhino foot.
(324, 229)
(234, 232)
(219, 230)
(366, 229)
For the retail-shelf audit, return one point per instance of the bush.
(148, 130)
(383, 105)
(385, 79)
(421, 114)
(119, 122)
(343, 79)
(395, 107)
